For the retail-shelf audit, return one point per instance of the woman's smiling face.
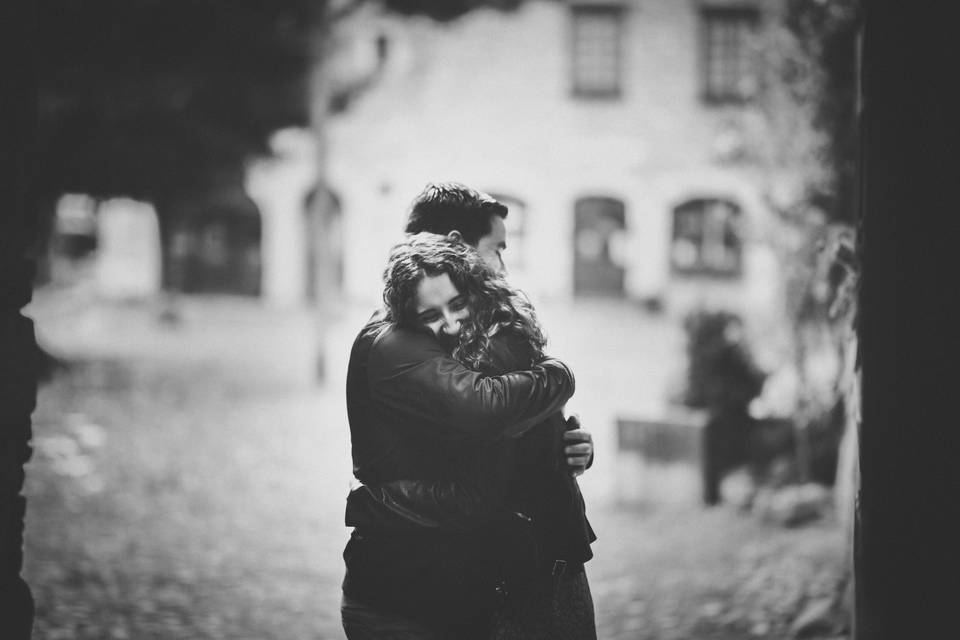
(439, 306)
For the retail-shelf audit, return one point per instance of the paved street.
(188, 482)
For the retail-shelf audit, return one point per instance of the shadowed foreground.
(198, 497)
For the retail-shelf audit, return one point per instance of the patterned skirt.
(558, 609)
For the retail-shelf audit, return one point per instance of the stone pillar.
(129, 260)
(279, 185)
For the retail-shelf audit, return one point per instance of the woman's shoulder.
(510, 350)
(511, 337)
(394, 343)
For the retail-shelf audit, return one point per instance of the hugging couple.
(469, 522)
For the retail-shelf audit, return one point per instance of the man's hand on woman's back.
(579, 446)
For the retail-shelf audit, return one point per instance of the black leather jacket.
(526, 474)
(416, 414)
(411, 406)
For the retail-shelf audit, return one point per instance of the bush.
(721, 374)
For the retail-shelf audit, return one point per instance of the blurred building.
(112, 246)
(215, 245)
(247, 240)
(116, 246)
(618, 133)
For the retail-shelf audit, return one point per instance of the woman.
(440, 286)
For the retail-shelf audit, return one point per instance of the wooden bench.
(659, 460)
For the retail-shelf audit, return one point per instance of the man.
(478, 219)
(407, 399)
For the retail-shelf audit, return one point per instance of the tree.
(163, 99)
(148, 98)
(810, 107)
(167, 100)
(807, 154)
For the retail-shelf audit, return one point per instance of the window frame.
(732, 224)
(748, 15)
(617, 11)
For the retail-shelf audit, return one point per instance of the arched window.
(599, 242)
(707, 239)
(215, 245)
(334, 245)
(74, 226)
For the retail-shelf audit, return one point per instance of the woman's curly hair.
(494, 305)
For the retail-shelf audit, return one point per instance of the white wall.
(485, 101)
(128, 260)
(279, 185)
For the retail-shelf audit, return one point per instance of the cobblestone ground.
(188, 482)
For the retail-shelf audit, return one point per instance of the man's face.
(491, 246)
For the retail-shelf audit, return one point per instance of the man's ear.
(455, 235)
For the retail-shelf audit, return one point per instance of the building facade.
(617, 132)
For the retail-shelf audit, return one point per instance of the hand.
(579, 447)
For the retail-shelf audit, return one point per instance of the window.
(726, 40)
(213, 244)
(706, 238)
(74, 226)
(596, 50)
(599, 246)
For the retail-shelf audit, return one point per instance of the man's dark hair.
(448, 206)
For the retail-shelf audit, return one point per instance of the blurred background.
(218, 184)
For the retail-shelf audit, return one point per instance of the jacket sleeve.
(412, 378)
(411, 505)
